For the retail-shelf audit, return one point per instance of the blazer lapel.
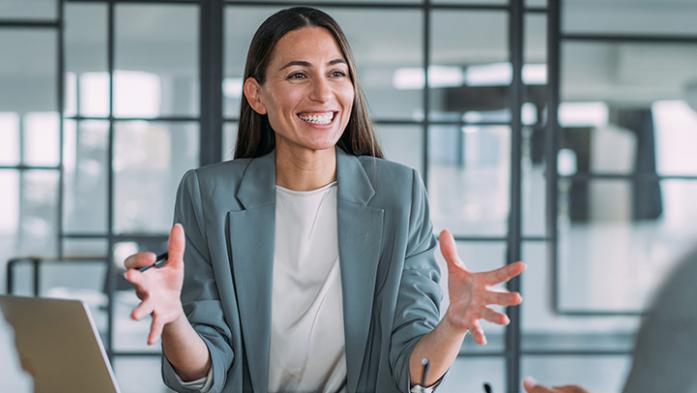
(360, 243)
(251, 233)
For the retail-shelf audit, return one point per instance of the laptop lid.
(59, 345)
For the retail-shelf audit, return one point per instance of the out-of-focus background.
(560, 132)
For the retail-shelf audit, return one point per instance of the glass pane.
(619, 117)
(478, 257)
(9, 138)
(87, 80)
(545, 329)
(150, 159)
(84, 247)
(229, 140)
(469, 179)
(618, 240)
(23, 9)
(28, 109)
(369, 33)
(533, 192)
(156, 61)
(403, 144)
(472, 2)
(470, 69)
(469, 374)
(628, 16)
(86, 169)
(536, 3)
(28, 220)
(41, 138)
(597, 374)
(139, 374)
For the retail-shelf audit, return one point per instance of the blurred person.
(665, 354)
(307, 262)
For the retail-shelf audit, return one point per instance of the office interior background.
(563, 133)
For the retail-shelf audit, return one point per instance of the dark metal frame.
(211, 119)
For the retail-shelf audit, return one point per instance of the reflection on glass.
(544, 328)
(629, 17)
(150, 159)
(619, 239)
(402, 144)
(468, 374)
(22, 9)
(369, 33)
(470, 49)
(9, 138)
(617, 117)
(86, 60)
(34, 197)
(85, 166)
(41, 138)
(469, 179)
(597, 374)
(156, 60)
(229, 140)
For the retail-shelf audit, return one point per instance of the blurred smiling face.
(308, 93)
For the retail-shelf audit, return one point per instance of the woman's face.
(308, 94)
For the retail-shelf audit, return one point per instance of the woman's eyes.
(300, 75)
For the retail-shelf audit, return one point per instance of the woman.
(309, 260)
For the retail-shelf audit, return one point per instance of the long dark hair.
(256, 137)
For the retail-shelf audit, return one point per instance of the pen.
(424, 372)
(487, 388)
(159, 262)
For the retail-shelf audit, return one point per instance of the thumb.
(448, 249)
(531, 386)
(176, 244)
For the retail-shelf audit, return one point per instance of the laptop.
(59, 345)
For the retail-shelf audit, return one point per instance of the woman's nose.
(321, 91)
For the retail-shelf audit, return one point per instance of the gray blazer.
(666, 348)
(389, 276)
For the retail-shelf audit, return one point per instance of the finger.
(448, 249)
(144, 309)
(531, 386)
(504, 274)
(495, 316)
(503, 298)
(176, 245)
(478, 333)
(135, 277)
(139, 259)
(155, 329)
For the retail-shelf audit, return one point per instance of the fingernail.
(529, 381)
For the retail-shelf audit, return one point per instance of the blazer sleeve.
(199, 295)
(419, 298)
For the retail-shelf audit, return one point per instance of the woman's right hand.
(159, 288)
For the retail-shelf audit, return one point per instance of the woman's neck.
(303, 169)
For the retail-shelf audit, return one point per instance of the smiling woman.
(309, 262)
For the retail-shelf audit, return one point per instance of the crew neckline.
(309, 192)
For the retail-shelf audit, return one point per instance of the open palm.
(471, 293)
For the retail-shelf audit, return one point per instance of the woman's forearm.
(440, 347)
(185, 350)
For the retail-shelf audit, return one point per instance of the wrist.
(451, 323)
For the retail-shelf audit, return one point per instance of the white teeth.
(318, 119)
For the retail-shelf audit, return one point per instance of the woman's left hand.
(471, 293)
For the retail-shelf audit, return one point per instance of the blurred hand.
(159, 288)
(471, 294)
(533, 387)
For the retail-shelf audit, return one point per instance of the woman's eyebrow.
(303, 63)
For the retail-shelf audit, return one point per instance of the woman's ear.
(252, 92)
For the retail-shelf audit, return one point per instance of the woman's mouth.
(317, 118)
